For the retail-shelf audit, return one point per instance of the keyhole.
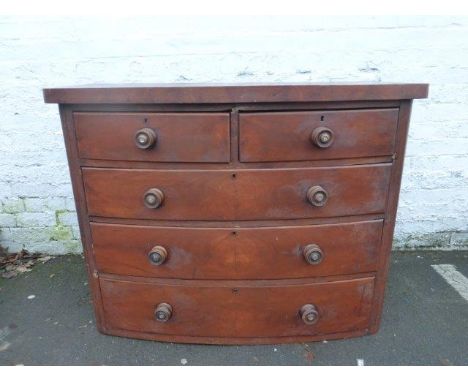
(322, 118)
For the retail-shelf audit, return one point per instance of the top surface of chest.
(233, 93)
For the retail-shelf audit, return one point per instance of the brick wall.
(36, 206)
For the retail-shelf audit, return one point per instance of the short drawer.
(240, 253)
(237, 194)
(317, 135)
(153, 137)
(237, 309)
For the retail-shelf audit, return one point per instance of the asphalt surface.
(425, 322)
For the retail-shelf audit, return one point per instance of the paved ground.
(425, 323)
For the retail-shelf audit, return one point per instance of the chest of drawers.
(237, 213)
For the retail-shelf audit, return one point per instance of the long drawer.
(237, 309)
(237, 194)
(317, 135)
(237, 253)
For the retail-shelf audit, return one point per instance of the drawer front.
(298, 136)
(183, 137)
(241, 253)
(237, 194)
(237, 309)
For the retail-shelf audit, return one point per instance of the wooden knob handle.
(309, 314)
(312, 254)
(157, 255)
(153, 198)
(163, 312)
(317, 196)
(145, 138)
(322, 137)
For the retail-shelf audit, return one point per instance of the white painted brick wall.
(37, 210)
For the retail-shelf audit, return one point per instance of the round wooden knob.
(145, 138)
(163, 312)
(317, 196)
(153, 198)
(322, 137)
(157, 255)
(309, 314)
(312, 254)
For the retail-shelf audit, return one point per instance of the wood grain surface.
(233, 93)
(236, 195)
(181, 137)
(237, 253)
(243, 309)
(285, 136)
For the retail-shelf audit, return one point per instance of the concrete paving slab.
(425, 322)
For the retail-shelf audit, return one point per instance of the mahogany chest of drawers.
(237, 213)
